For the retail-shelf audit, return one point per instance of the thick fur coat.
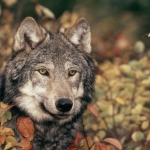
(50, 78)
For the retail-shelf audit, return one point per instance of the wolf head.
(50, 75)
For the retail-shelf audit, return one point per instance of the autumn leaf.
(6, 116)
(42, 10)
(138, 136)
(87, 143)
(113, 142)
(5, 109)
(2, 139)
(93, 110)
(25, 127)
(26, 144)
(7, 146)
(77, 139)
(11, 139)
(97, 146)
(7, 132)
(73, 148)
(100, 146)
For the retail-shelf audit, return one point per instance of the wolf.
(50, 78)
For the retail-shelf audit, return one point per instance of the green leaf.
(138, 136)
(6, 116)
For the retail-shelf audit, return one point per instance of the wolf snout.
(64, 105)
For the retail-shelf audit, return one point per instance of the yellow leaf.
(119, 118)
(112, 73)
(145, 125)
(138, 148)
(148, 136)
(9, 2)
(41, 10)
(143, 61)
(146, 82)
(138, 109)
(120, 101)
(8, 145)
(101, 134)
(7, 131)
(94, 127)
(3, 105)
(138, 74)
(86, 143)
(11, 139)
(125, 69)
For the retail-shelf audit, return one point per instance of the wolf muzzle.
(64, 105)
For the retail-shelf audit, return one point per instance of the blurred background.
(121, 51)
(115, 25)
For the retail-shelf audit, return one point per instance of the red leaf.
(73, 148)
(97, 146)
(101, 146)
(113, 142)
(26, 127)
(2, 139)
(26, 144)
(77, 139)
(93, 110)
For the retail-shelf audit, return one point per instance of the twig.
(114, 123)
(108, 128)
(85, 135)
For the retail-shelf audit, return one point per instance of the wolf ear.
(29, 35)
(80, 35)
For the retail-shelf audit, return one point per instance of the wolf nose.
(64, 105)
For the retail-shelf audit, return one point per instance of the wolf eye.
(43, 71)
(72, 72)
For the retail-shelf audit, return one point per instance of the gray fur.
(36, 94)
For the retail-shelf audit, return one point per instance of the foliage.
(122, 98)
(7, 136)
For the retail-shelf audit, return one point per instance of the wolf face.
(50, 75)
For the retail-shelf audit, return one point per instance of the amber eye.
(43, 71)
(72, 72)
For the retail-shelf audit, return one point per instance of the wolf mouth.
(57, 116)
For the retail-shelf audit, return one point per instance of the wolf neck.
(47, 135)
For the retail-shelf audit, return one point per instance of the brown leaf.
(114, 142)
(26, 144)
(87, 143)
(1, 129)
(97, 146)
(77, 139)
(25, 127)
(100, 146)
(93, 110)
(2, 139)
